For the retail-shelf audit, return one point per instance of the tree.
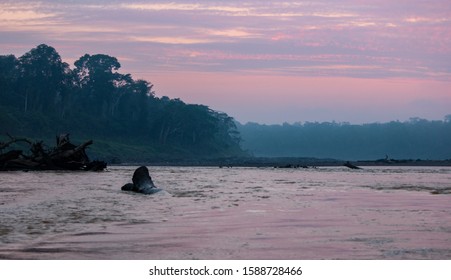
(8, 79)
(96, 100)
(42, 79)
(97, 81)
(132, 104)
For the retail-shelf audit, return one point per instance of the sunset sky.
(262, 61)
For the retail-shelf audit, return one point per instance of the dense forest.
(41, 97)
(413, 139)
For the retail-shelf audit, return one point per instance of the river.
(228, 213)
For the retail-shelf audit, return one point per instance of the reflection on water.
(230, 213)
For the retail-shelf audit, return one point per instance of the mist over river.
(228, 213)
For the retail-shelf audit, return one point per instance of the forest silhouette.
(413, 139)
(41, 96)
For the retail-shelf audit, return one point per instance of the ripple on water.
(212, 212)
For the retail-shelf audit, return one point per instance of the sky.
(269, 62)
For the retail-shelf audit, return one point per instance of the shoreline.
(285, 162)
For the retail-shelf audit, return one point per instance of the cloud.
(427, 20)
(185, 7)
(321, 37)
(232, 33)
(170, 40)
(13, 16)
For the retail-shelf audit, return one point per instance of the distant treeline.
(414, 139)
(41, 96)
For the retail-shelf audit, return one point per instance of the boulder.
(350, 165)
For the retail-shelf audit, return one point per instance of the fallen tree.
(65, 156)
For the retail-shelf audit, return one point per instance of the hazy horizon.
(267, 62)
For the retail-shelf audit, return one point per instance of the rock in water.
(350, 165)
(142, 182)
(127, 187)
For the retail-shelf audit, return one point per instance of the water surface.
(228, 213)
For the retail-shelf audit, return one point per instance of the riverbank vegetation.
(41, 96)
(411, 140)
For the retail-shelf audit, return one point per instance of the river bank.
(282, 162)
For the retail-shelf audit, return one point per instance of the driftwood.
(12, 141)
(65, 156)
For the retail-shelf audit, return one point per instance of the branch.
(14, 140)
(69, 153)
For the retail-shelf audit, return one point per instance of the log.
(66, 156)
(22, 164)
(10, 155)
(69, 153)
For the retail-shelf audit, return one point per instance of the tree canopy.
(42, 96)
